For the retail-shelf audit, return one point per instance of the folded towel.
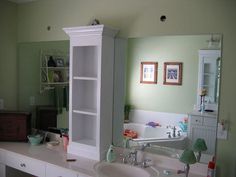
(130, 133)
(153, 124)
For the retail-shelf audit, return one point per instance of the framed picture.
(173, 73)
(55, 76)
(59, 62)
(148, 72)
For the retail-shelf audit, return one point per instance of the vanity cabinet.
(25, 164)
(55, 171)
(2, 164)
(203, 126)
(91, 90)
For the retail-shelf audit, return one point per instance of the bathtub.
(156, 136)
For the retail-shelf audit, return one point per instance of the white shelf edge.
(54, 83)
(85, 111)
(85, 78)
(54, 68)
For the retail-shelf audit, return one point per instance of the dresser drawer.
(55, 171)
(196, 120)
(14, 126)
(25, 164)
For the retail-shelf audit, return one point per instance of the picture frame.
(173, 73)
(55, 76)
(59, 62)
(148, 72)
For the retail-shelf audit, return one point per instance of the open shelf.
(85, 95)
(54, 70)
(85, 63)
(85, 78)
(86, 111)
(84, 135)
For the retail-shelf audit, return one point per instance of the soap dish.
(53, 143)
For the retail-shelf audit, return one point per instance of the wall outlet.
(222, 133)
(32, 101)
(1, 103)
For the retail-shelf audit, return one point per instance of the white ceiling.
(21, 1)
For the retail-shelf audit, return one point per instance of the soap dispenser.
(111, 156)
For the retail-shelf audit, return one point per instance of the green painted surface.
(8, 61)
(29, 74)
(159, 97)
(138, 18)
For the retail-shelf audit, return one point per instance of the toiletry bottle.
(111, 156)
(211, 169)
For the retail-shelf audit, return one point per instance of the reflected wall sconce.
(199, 146)
(187, 157)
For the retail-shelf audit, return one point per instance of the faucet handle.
(124, 158)
(144, 163)
(179, 132)
(169, 136)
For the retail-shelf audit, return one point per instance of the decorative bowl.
(35, 139)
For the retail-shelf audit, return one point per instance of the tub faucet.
(144, 146)
(169, 136)
(174, 131)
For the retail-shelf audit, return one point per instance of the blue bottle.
(111, 156)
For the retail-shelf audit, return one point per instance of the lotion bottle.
(111, 156)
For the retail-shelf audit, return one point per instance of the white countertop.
(57, 156)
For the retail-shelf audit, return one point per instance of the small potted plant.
(127, 109)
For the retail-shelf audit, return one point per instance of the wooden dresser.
(14, 126)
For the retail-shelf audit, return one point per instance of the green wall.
(139, 18)
(29, 55)
(8, 62)
(159, 97)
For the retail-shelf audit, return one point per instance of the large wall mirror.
(158, 104)
(167, 118)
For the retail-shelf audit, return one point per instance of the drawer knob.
(22, 165)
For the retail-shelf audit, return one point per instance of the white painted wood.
(119, 90)
(55, 171)
(91, 90)
(2, 156)
(163, 118)
(25, 164)
(55, 156)
(207, 74)
(2, 170)
(2, 164)
(203, 126)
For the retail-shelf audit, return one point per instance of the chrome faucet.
(144, 146)
(174, 131)
(133, 157)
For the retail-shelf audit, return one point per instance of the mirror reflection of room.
(44, 83)
(165, 117)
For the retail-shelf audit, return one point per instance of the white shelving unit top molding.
(90, 30)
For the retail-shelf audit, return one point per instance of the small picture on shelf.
(55, 76)
(59, 62)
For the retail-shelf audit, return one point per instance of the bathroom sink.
(105, 169)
